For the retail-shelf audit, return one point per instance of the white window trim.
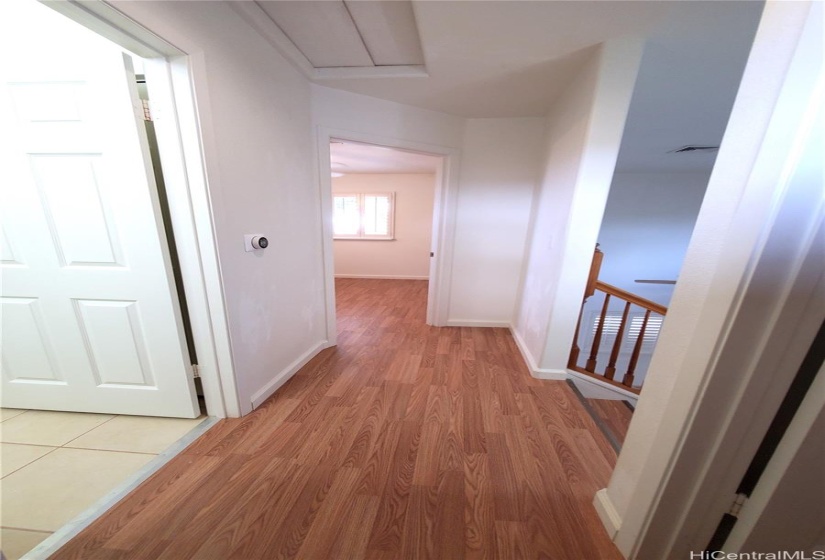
(361, 236)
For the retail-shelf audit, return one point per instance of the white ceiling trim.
(260, 21)
(370, 72)
(111, 23)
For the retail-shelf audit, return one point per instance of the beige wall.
(408, 255)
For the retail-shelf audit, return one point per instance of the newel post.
(589, 290)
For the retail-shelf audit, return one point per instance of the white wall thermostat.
(254, 242)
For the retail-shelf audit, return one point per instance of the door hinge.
(147, 110)
(737, 504)
(196, 372)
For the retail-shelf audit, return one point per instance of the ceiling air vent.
(693, 148)
(655, 281)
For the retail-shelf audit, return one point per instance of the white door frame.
(172, 78)
(444, 211)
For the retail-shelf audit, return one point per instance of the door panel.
(114, 342)
(74, 210)
(90, 321)
(27, 350)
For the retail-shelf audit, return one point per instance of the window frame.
(361, 235)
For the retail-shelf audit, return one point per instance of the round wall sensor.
(254, 242)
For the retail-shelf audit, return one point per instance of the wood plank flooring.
(615, 415)
(403, 442)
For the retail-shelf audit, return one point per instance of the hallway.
(404, 441)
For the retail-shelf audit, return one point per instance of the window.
(363, 216)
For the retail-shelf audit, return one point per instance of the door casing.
(443, 232)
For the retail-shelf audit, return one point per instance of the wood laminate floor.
(616, 416)
(404, 442)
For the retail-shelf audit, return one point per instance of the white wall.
(583, 135)
(500, 159)
(406, 256)
(256, 125)
(741, 316)
(351, 112)
(565, 138)
(646, 229)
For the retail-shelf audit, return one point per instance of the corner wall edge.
(608, 515)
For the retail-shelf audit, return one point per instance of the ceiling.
(505, 58)
(690, 72)
(336, 34)
(349, 157)
(480, 58)
(487, 59)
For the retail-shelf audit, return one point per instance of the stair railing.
(590, 367)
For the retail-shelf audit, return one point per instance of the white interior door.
(89, 319)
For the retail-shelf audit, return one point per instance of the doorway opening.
(62, 104)
(388, 210)
(382, 213)
(91, 314)
(96, 373)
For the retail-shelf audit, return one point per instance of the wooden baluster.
(597, 340)
(610, 371)
(627, 380)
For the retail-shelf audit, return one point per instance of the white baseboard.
(620, 394)
(266, 391)
(382, 277)
(535, 370)
(608, 515)
(550, 374)
(471, 323)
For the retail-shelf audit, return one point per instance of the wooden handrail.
(632, 298)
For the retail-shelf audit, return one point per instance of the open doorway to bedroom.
(383, 203)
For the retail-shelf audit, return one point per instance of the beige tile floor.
(54, 465)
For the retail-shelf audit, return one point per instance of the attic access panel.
(339, 34)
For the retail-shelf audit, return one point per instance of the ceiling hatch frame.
(253, 14)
